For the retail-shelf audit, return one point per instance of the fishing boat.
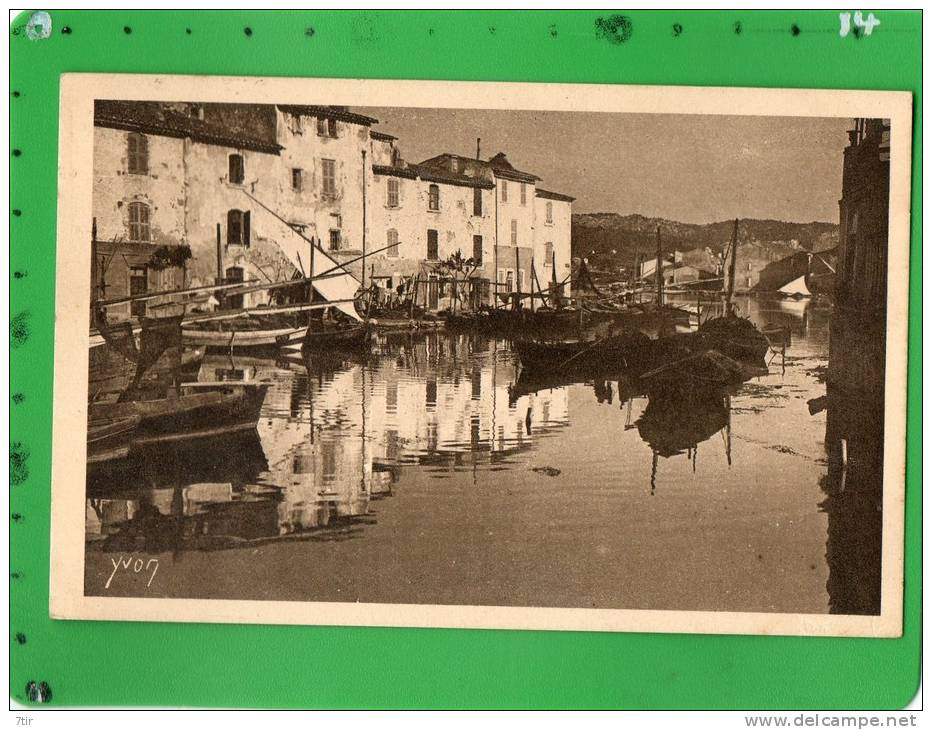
(733, 336)
(606, 355)
(693, 376)
(242, 338)
(196, 410)
(323, 335)
(109, 439)
(110, 372)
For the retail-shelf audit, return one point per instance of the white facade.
(173, 173)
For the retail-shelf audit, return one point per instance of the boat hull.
(242, 339)
(211, 410)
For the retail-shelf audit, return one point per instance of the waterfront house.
(246, 186)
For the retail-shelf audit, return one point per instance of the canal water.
(427, 474)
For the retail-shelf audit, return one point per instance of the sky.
(689, 168)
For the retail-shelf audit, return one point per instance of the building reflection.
(333, 436)
(853, 486)
(853, 483)
(854, 424)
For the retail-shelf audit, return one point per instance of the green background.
(277, 666)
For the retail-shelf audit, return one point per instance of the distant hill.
(610, 240)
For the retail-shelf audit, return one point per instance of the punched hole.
(38, 692)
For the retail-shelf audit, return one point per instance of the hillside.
(610, 240)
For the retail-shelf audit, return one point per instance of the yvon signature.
(134, 565)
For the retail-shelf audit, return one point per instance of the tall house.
(515, 205)
(424, 213)
(180, 173)
(247, 186)
(326, 158)
(857, 340)
(553, 214)
(861, 279)
(486, 209)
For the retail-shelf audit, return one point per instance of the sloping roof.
(503, 168)
(395, 171)
(432, 174)
(164, 119)
(497, 166)
(382, 136)
(329, 112)
(541, 193)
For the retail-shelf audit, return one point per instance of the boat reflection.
(333, 436)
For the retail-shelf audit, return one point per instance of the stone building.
(863, 213)
(857, 341)
(248, 186)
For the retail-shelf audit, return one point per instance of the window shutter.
(246, 227)
(143, 153)
(232, 227)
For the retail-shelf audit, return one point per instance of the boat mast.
(732, 263)
(659, 272)
(363, 219)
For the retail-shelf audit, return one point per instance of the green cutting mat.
(201, 665)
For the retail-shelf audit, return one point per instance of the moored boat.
(199, 410)
(608, 354)
(109, 439)
(236, 338)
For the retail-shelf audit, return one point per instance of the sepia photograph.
(483, 355)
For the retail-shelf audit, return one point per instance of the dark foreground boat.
(199, 410)
(633, 351)
(609, 355)
(109, 439)
(694, 375)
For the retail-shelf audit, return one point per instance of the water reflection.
(434, 455)
(333, 436)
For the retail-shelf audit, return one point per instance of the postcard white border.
(78, 91)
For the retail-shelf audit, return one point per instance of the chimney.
(478, 155)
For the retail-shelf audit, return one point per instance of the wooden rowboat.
(201, 410)
(109, 439)
(242, 338)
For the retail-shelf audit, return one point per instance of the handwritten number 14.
(866, 25)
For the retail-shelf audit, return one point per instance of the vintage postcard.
(534, 356)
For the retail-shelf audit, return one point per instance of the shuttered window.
(329, 176)
(238, 225)
(139, 223)
(392, 192)
(237, 169)
(137, 154)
